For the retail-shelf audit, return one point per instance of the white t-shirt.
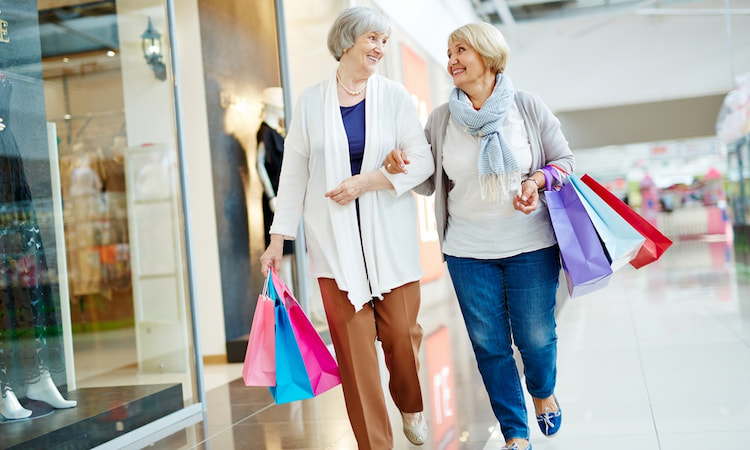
(488, 230)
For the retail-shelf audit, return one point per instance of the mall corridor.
(659, 360)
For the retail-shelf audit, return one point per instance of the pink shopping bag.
(322, 368)
(259, 368)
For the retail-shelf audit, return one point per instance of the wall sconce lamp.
(152, 51)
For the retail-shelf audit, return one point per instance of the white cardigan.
(316, 159)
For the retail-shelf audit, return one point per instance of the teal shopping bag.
(621, 240)
(292, 381)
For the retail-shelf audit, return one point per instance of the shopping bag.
(655, 243)
(292, 382)
(621, 241)
(259, 368)
(584, 260)
(322, 369)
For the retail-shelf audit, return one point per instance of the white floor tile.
(597, 443)
(733, 440)
(721, 416)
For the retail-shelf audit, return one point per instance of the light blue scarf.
(497, 167)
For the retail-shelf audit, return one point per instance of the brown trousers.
(393, 321)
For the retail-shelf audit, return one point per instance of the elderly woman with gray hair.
(360, 223)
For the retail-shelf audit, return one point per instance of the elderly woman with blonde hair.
(490, 142)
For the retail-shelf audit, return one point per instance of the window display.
(85, 328)
(29, 323)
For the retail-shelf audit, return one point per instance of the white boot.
(45, 391)
(11, 409)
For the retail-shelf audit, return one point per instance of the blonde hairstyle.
(487, 40)
(351, 24)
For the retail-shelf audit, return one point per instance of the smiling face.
(467, 67)
(366, 52)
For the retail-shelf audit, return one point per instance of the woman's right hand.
(396, 162)
(273, 254)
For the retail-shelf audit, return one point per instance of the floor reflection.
(671, 337)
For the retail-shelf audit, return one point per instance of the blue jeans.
(506, 301)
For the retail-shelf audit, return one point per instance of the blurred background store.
(136, 124)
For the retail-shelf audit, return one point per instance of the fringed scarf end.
(498, 187)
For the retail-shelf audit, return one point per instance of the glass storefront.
(738, 153)
(96, 334)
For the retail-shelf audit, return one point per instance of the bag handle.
(552, 177)
(283, 292)
(273, 294)
(264, 291)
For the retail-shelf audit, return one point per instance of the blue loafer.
(549, 422)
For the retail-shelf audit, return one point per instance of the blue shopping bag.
(292, 381)
(620, 239)
(322, 368)
(584, 260)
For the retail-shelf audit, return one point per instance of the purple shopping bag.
(584, 259)
(322, 368)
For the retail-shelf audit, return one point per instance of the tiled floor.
(659, 360)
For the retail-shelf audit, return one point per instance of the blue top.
(354, 124)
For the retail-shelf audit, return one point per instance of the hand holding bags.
(620, 234)
(584, 261)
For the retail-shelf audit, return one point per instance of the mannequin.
(27, 308)
(270, 139)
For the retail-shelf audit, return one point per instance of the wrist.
(533, 180)
(366, 181)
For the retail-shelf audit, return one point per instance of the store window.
(94, 309)
(738, 194)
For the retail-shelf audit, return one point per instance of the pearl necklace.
(352, 93)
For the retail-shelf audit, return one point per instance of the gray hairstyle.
(351, 24)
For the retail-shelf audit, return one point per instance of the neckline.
(352, 93)
(354, 105)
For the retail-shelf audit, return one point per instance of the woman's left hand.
(527, 198)
(349, 190)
